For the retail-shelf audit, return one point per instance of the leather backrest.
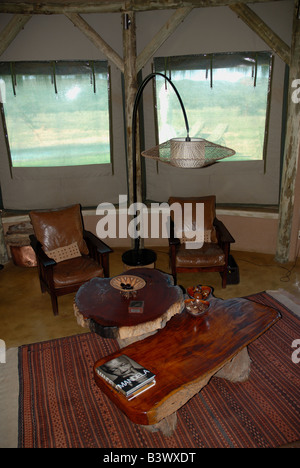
(209, 212)
(59, 228)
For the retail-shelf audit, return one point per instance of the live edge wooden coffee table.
(186, 353)
(104, 309)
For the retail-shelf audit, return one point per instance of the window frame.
(209, 62)
(64, 67)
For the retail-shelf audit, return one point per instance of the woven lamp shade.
(191, 154)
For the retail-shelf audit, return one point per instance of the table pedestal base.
(167, 425)
(237, 370)
(123, 342)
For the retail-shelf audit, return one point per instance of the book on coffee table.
(141, 390)
(126, 375)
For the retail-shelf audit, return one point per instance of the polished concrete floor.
(26, 314)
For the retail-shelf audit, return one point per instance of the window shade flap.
(66, 172)
(219, 60)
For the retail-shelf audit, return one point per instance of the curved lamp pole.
(137, 256)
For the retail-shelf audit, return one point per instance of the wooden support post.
(12, 29)
(263, 31)
(130, 82)
(291, 149)
(3, 249)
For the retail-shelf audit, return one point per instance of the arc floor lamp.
(187, 152)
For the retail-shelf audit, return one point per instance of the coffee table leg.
(123, 342)
(167, 425)
(238, 369)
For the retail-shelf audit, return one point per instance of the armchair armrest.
(222, 232)
(98, 248)
(173, 241)
(93, 240)
(41, 255)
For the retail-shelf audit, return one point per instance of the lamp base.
(141, 257)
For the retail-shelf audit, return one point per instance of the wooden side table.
(104, 310)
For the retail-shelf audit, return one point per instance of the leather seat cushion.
(76, 271)
(209, 255)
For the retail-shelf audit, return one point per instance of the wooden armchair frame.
(98, 251)
(224, 240)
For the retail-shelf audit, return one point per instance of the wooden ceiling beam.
(163, 34)
(48, 7)
(96, 39)
(263, 31)
(11, 30)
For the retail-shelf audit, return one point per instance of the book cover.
(125, 374)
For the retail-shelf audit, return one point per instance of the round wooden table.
(105, 310)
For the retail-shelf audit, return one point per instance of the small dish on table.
(128, 285)
(202, 292)
(197, 302)
(196, 306)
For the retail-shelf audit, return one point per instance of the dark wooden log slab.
(187, 353)
(105, 310)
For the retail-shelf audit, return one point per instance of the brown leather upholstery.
(210, 254)
(214, 254)
(57, 228)
(209, 212)
(76, 271)
(61, 228)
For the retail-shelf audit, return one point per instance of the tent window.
(56, 113)
(226, 97)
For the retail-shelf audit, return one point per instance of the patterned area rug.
(61, 406)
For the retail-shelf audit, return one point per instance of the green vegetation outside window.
(56, 113)
(226, 97)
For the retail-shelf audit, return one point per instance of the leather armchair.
(67, 255)
(213, 255)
